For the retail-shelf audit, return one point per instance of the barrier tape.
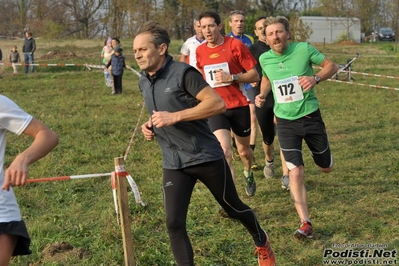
(374, 75)
(134, 133)
(135, 190)
(365, 74)
(120, 171)
(362, 84)
(138, 74)
(94, 66)
(88, 66)
(113, 184)
(137, 123)
(59, 178)
(113, 176)
(56, 64)
(135, 71)
(349, 71)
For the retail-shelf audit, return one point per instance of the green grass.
(356, 203)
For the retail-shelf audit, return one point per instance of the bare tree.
(141, 11)
(120, 18)
(189, 10)
(306, 5)
(9, 19)
(395, 16)
(368, 12)
(23, 6)
(392, 12)
(84, 15)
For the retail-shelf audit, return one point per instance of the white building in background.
(330, 29)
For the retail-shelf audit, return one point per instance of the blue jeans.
(29, 60)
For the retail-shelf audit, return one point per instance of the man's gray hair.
(236, 12)
(196, 18)
(159, 34)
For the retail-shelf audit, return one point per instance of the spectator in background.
(28, 49)
(115, 42)
(118, 64)
(190, 45)
(107, 50)
(106, 53)
(25, 30)
(1, 55)
(14, 237)
(14, 58)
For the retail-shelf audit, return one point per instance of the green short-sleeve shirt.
(297, 60)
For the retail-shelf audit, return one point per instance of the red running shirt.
(234, 58)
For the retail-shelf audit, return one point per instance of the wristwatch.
(317, 78)
(234, 78)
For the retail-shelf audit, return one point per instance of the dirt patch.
(62, 251)
(58, 55)
(348, 43)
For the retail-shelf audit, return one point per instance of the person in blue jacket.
(118, 64)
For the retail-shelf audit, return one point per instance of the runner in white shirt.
(14, 237)
(190, 45)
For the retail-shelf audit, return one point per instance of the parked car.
(384, 34)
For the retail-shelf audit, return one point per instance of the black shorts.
(310, 128)
(251, 93)
(18, 229)
(237, 119)
(265, 116)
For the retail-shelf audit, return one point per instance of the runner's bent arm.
(44, 141)
(265, 87)
(210, 104)
(248, 77)
(328, 70)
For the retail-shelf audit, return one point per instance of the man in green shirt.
(287, 71)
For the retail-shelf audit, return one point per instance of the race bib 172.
(287, 90)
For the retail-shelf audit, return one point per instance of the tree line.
(88, 19)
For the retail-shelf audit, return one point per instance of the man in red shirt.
(226, 64)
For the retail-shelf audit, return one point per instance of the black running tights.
(177, 188)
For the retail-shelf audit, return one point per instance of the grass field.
(74, 223)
